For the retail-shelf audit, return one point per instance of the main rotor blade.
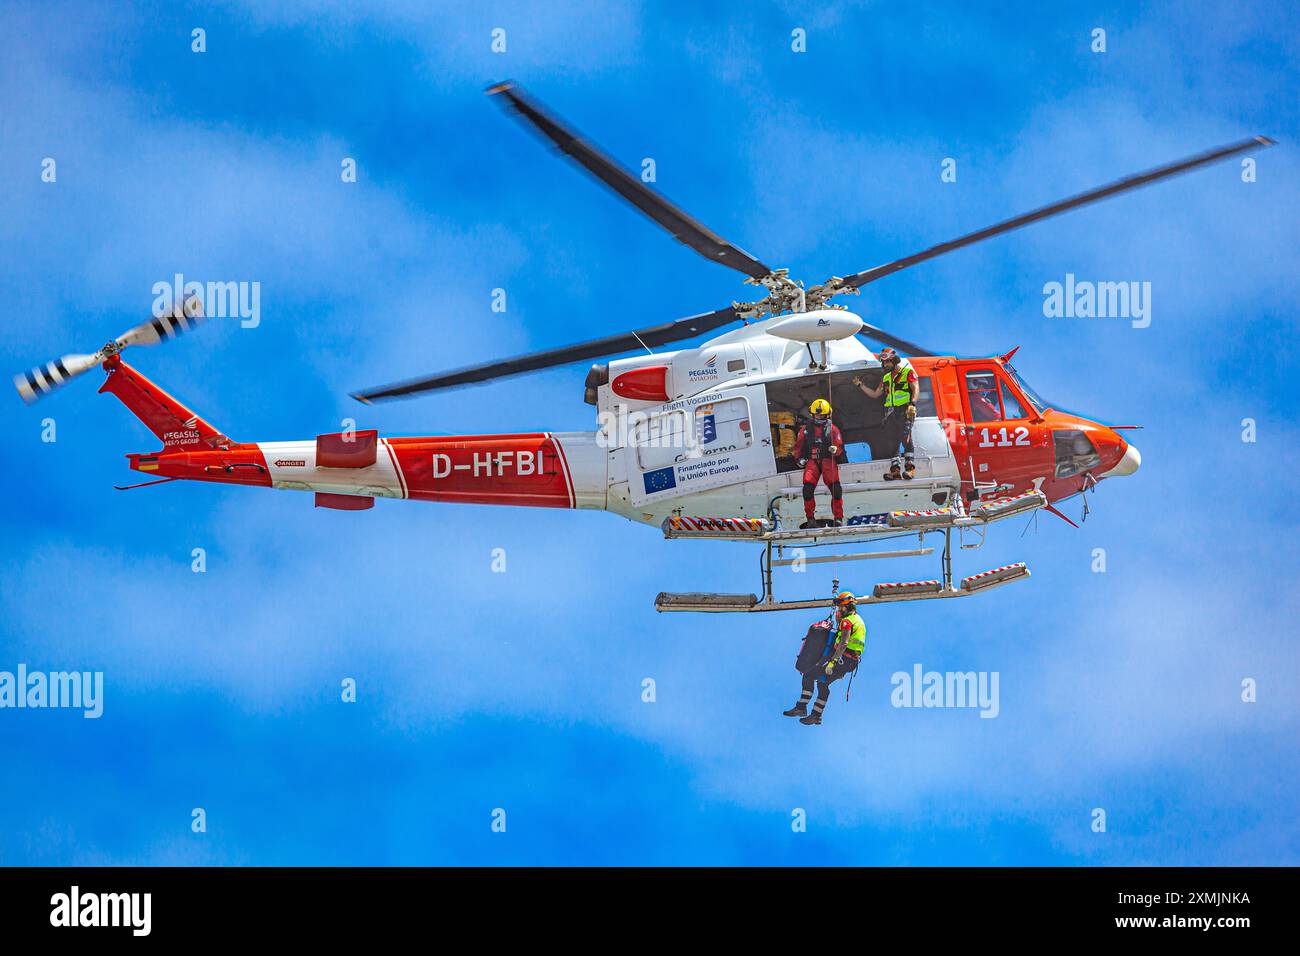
(885, 338)
(1093, 195)
(682, 227)
(596, 348)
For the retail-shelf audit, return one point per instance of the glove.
(803, 462)
(856, 380)
(830, 666)
(911, 413)
(834, 449)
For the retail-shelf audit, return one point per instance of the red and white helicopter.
(698, 442)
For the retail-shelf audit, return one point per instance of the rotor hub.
(787, 295)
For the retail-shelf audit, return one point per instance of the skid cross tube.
(864, 556)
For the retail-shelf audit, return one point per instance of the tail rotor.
(39, 381)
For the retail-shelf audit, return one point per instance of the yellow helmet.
(820, 408)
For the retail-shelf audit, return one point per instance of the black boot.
(800, 709)
(894, 474)
(809, 524)
(812, 719)
(910, 471)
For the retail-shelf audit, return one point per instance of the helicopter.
(700, 441)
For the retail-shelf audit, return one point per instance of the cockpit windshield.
(1040, 406)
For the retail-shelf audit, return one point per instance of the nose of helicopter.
(1128, 463)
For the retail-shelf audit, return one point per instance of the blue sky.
(522, 690)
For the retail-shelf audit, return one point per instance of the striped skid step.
(935, 518)
(1008, 572)
(886, 591)
(1004, 507)
(753, 526)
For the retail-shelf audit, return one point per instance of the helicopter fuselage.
(708, 431)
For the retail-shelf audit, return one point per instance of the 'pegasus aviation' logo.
(710, 368)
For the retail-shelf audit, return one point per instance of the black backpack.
(817, 644)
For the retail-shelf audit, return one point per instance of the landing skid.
(877, 526)
(944, 521)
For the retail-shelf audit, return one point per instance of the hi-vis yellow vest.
(857, 641)
(897, 393)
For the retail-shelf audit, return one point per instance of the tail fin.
(176, 426)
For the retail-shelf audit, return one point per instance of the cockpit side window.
(982, 390)
(1035, 400)
(925, 397)
(1011, 407)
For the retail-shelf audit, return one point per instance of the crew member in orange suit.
(815, 448)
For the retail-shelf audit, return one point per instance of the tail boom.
(532, 469)
(539, 470)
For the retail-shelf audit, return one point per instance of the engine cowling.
(646, 384)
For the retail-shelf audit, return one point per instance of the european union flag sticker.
(660, 480)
